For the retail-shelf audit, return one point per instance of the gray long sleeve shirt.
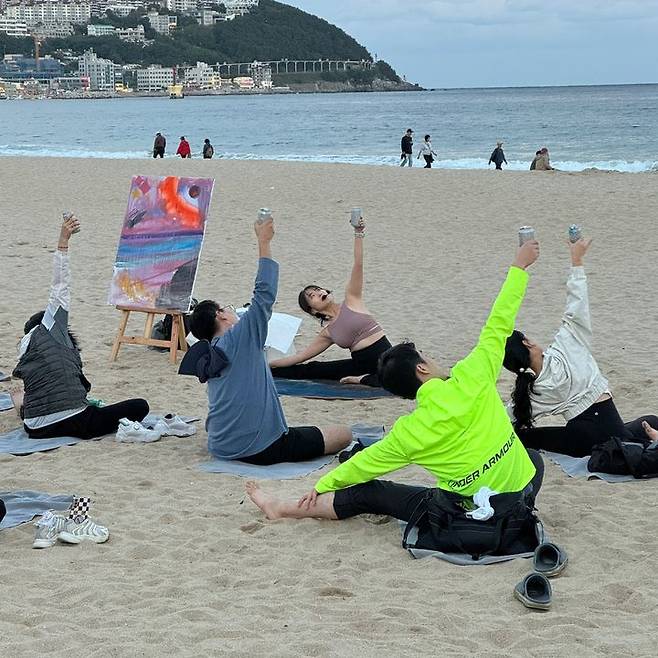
(244, 412)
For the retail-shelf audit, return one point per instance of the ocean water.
(611, 127)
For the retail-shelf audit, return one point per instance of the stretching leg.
(643, 427)
(331, 370)
(105, 420)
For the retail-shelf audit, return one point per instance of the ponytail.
(517, 360)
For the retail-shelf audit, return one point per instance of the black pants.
(401, 500)
(158, 152)
(298, 444)
(428, 161)
(363, 362)
(3, 510)
(93, 421)
(595, 425)
(499, 165)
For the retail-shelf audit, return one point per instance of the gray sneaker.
(76, 531)
(48, 528)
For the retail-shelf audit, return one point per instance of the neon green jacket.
(460, 430)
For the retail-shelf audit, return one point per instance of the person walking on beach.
(407, 148)
(159, 145)
(245, 418)
(498, 156)
(208, 150)
(427, 152)
(543, 161)
(184, 149)
(459, 432)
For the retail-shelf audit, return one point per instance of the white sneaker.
(74, 532)
(172, 425)
(133, 432)
(48, 528)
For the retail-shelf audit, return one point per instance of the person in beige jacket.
(543, 161)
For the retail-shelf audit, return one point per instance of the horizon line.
(540, 86)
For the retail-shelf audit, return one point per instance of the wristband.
(360, 234)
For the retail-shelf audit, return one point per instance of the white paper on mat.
(281, 331)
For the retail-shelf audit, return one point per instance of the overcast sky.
(472, 43)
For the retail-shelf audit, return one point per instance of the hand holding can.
(263, 215)
(356, 219)
(526, 233)
(575, 233)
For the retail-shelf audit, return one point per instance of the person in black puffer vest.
(55, 388)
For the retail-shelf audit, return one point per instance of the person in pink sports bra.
(347, 324)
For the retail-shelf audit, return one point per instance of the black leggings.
(363, 362)
(595, 425)
(401, 500)
(93, 421)
(428, 161)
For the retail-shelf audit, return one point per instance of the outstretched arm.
(354, 289)
(321, 343)
(576, 319)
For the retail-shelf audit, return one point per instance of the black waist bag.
(443, 525)
(620, 458)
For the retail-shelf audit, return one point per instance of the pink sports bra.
(350, 327)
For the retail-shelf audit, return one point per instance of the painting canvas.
(160, 242)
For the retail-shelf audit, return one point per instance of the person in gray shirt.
(245, 419)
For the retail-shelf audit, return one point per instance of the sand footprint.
(252, 527)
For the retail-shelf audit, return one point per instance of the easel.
(177, 341)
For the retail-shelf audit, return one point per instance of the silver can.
(575, 233)
(264, 214)
(526, 233)
(356, 217)
(67, 214)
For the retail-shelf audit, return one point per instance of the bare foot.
(266, 503)
(651, 432)
(352, 380)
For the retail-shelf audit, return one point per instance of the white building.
(162, 24)
(154, 78)
(239, 6)
(52, 11)
(131, 34)
(262, 75)
(207, 16)
(100, 30)
(53, 30)
(99, 72)
(121, 7)
(202, 76)
(13, 27)
(244, 82)
(181, 6)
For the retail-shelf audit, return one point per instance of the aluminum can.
(575, 233)
(264, 214)
(357, 216)
(526, 233)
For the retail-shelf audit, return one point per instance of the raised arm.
(486, 359)
(354, 289)
(576, 319)
(321, 343)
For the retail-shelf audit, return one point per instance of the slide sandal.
(534, 591)
(549, 560)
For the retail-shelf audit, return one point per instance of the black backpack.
(620, 458)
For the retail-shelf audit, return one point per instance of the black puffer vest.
(52, 376)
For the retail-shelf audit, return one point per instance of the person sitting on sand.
(245, 419)
(459, 432)
(565, 380)
(348, 325)
(543, 161)
(54, 401)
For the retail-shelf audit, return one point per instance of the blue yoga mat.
(23, 506)
(328, 390)
(367, 434)
(5, 402)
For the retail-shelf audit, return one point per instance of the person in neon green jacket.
(460, 431)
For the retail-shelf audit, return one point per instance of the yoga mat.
(4, 376)
(17, 442)
(367, 434)
(23, 506)
(576, 467)
(5, 402)
(327, 390)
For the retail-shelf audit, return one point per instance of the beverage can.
(264, 214)
(357, 216)
(526, 233)
(575, 233)
(67, 214)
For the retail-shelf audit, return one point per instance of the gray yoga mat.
(576, 467)
(367, 434)
(5, 402)
(4, 377)
(23, 506)
(17, 442)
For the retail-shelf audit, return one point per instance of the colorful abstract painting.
(160, 242)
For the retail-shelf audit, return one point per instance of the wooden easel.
(176, 343)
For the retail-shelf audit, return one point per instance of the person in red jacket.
(184, 149)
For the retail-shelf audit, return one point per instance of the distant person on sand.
(427, 152)
(159, 145)
(407, 148)
(348, 325)
(208, 150)
(459, 432)
(498, 156)
(245, 419)
(184, 149)
(543, 161)
(533, 164)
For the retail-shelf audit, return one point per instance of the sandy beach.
(194, 569)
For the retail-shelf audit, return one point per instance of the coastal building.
(13, 27)
(202, 76)
(262, 75)
(239, 6)
(244, 82)
(131, 34)
(181, 6)
(51, 11)
(100, 30)
(154, 78)
(97, 71)
(207, 16)
(162, 24)
(53, 30)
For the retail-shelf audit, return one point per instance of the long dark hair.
(517, 360)
(35, 321)
(306, 307)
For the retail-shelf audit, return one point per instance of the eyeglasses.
(228, 307)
